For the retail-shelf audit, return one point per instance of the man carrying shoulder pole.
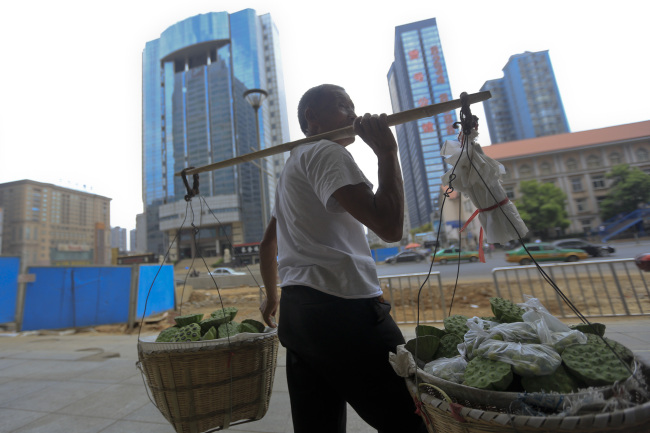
(335, 326)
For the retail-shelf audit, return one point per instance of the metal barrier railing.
(600, 288)
(401, 291)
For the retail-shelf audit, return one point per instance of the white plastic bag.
(451, 369)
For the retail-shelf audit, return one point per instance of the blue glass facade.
(526, 102)
(418, 77)
(194, 114)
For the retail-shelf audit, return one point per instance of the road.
(479, 270)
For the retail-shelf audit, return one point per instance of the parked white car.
(226, 272)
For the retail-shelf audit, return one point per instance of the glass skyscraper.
(418, 77)
(526, 102)
(194, 113)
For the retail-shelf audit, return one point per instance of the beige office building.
(45, 224)
(577, 163)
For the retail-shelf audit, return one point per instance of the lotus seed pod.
(448, 347)
(488, 374)
(622, 351)
(228, 329)
(188, 319)
(210, 322)
(559, 381)
(166, 335)
(259, 326)
(191, 332)
(229, 312)
(594, 364)
(422, 330)
(456, 324)
(506, 311)
(426, 347)
(247, 327)
(210, 335)
(593, 328)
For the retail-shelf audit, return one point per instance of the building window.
(599, 200)
(525, 170)
(614, 158)
(586, 225)
(510, 192)
(545, 168)
(581, 205)
(593, 161)
(576, 184)
(598, 181)
(571, 164)
(641, 154)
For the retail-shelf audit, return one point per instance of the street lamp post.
(255, 97)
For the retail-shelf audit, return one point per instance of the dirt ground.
(596, 298)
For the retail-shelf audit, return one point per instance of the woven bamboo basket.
(210, 385)
(445, 414)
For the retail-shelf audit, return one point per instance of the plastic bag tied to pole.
(479, 177)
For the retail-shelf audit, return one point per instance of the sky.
(71, 71)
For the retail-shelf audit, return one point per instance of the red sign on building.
(414, 54)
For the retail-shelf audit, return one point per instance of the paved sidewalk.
(88, 383)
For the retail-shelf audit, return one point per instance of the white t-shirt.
(320, 245)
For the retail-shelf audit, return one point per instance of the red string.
(481, 254)
(419, 411)
(455, 412)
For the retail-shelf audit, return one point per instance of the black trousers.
(337, 352)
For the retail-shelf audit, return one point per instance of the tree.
(542, 206)
(631, 187)
(422, 229)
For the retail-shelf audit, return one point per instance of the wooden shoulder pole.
(393, 119)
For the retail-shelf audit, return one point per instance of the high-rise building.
(118, 239)
(195, 113)
(526, 102)
(418, 77)
(45, 224)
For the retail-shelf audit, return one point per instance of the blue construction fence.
(381, 254)
(69, 297)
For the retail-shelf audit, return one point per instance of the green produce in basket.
(188, 319)
(594, 364)
(210, 335)
(210, 322)
(426, 347)
(191, 332)
(166, 335)
(422, 330)
(559, 381)
(506, 311)
(247, 327)
(488, 374)
(622, 351)
(456, 324)
(594, 328)
(490, 319)
(448, 347)
(227, 312)
(228, 329)
(256, 324)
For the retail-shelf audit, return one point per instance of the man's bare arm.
(269, 271)
(383, 211)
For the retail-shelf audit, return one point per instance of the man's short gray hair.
(312, 98)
